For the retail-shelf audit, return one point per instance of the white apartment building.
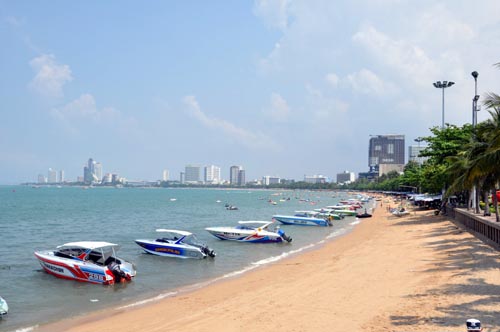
(212, 174)
(267, 180)
(52, 176)
(165, 175)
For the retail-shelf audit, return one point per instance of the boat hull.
(301, 221)
(241, 236)
(170, 250)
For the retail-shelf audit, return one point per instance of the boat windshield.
(192, 239)
(69, 252)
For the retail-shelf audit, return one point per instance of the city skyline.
(283, 87)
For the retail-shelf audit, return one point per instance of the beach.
(419, 272)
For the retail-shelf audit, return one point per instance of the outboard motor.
(117, 272)
(284, 236)
(209, 252)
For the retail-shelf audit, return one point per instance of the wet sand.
(419, 272)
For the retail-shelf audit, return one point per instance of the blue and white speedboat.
(175, 243)
(303, 220)
(250, 231)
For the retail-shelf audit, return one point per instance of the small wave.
(286, 254)
(355, 222)
(336, 233)
(235, 273)
(27, 329)
(153, 299)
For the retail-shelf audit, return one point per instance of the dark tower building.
(386, 150)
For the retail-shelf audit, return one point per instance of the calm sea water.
(45, 217)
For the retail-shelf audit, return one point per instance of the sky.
(283, 88)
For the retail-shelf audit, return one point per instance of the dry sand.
(415, 273)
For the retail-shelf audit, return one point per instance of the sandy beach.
(415, 273)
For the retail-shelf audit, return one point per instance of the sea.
(43, 217)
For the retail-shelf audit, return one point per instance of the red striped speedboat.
(87, 261)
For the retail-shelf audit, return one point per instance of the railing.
(483, 226)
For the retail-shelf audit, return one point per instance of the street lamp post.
(443, 85)
(475, 194)
(475, 74)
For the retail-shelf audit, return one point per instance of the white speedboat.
(175, 243)
(306, 218)
(400, 212)
(87, 261)
(345, 211)
(250, 231)
(4, 307)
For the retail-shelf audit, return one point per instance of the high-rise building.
(346, 177)
(89, 172)
(42, 178)
(212, 174)
(165, 175)
(315, 179)
(414, 154)
(98, 172)
(61, 176)
(233, 174)
(182, 177)
(386, 150)
(241, 177)
(52, 176)
(192, 174)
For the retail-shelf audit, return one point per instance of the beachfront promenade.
(486, 227)
(419, 272)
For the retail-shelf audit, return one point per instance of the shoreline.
(413, 273)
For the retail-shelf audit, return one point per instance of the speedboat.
(250, 231)
(363, 215)
(346, 211)
(401, 212)
(4, 307)
(329, 214)
(306, 218)
(87, 261)
(176, 243)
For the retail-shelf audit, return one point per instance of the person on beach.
(473, 325)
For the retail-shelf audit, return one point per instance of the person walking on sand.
(473, 325)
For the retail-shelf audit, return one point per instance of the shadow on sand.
(460, 257)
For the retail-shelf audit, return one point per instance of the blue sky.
(283, 88)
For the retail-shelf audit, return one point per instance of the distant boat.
(173, 199)
(303, 219)
(218, 201)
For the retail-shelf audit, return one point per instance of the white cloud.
(324, 108)
(273, 12)
(279, 109)
(367, 82)
(332, 79)
(14, 21)
(83, 112)
(50, 76)
(408, 60)
(444, 27)
(254, 140)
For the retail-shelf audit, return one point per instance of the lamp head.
(475, 74)
(450, 83)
